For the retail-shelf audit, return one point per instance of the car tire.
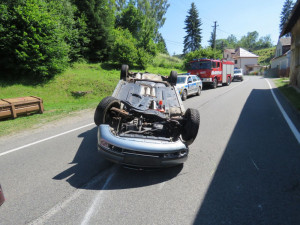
(102, 114)
(173, 78)
(191, 126)
(228, 81)
(215, 83)
(184, 95)
(199, 91)
(124, 72)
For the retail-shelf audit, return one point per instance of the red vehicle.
(212, 72)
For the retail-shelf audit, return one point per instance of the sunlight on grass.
(290, 93)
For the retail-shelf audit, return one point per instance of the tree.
(154, 12)
(161, 44)
(32, 40)
(286, 11)
(192, 41)
(249, 41)
(100, 24)
(132, 19)
(232, 41)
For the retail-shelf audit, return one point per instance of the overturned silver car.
(144, 122)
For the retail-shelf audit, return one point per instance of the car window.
(181, 80)
(194, 79)
(237, 71)
(189, 80)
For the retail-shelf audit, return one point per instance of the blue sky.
(235, 17)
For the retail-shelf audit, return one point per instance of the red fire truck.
(212, 72)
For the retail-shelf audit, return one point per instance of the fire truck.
(212, 72)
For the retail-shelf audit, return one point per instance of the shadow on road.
(257, 180)
(87, 163)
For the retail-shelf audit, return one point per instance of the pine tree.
(285, 13)
(192, 41)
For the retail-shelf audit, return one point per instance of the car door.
(195, 84)
(190, 85)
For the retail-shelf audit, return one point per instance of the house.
(293, 26)
(243, 59)
(281, 61)
(228, 54)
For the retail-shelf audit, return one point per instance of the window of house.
(235, 61)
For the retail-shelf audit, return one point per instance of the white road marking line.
(96, 202)
(286, 117)
(61, 205)
(46, 139)
(255, 164)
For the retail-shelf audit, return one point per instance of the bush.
(202, 53)
(124, 49)
(34, 40)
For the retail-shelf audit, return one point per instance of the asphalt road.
(243, 168)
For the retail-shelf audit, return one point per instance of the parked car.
(238, 75)
(144, 122)
(188, 85)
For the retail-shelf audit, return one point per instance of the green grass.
(291, 94)
(57, 93)
(265, 55)
(166, 61)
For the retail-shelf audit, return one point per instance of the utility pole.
(214, 37)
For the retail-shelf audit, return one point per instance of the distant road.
(243, 168)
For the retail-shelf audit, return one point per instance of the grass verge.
(58, 94)
(290, 93)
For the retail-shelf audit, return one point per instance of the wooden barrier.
(12, 107)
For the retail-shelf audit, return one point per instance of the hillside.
(265, 55)
(60, 93)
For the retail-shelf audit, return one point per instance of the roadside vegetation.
(81, 86)
(290, 93)
(265, 55)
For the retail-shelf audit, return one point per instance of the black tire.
(173, 78)
(184, 95)
(124, 72)
(215, 83)
(199, 91)
(228, 81)
(102, 113)
(191, 126)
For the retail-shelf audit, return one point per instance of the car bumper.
(238, 77)
(206, 80)
(140, 152)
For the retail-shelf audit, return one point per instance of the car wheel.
(173, 78)
(191, 126)
(228, 81)
(199, 91)
(215, 83)
(124, 72)
(242, 79)
(184, 95)
(103, 115)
